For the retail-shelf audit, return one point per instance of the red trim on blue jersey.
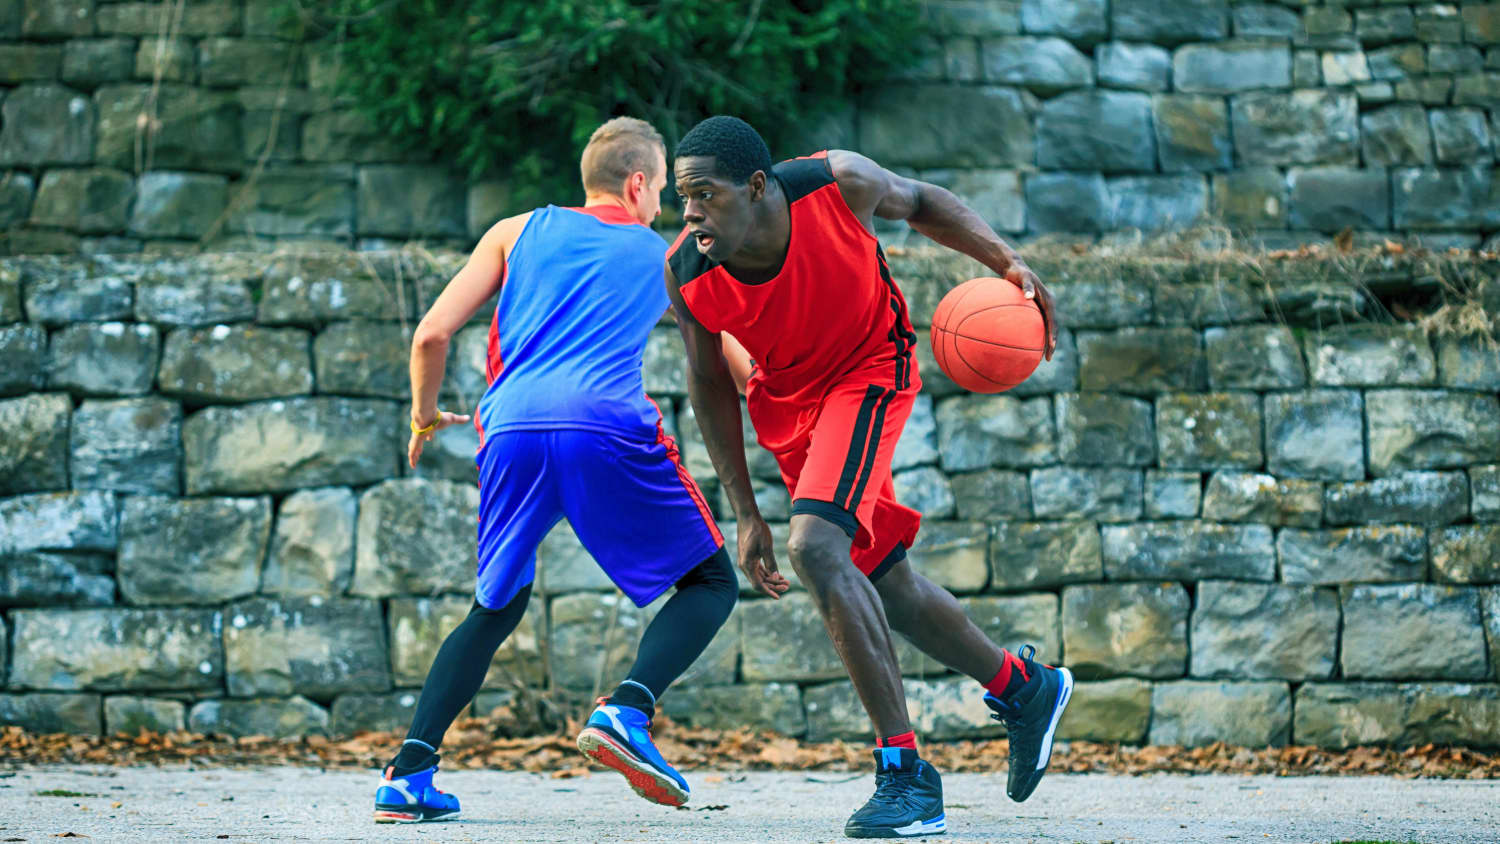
(684, 475)
(493, 364)
(612, 214)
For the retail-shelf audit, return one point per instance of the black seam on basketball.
(960, 355)
(993, 343)
(961, 299)
(973, 314)
(951, 309)
(957, 333)
(957, 302)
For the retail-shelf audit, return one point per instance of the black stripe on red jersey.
(876, 429)
(801, 176)
(856, 446)
(902, 337)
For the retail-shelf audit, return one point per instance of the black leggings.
(686, 624)
(460, 665)
(676, 637)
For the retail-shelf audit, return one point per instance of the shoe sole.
(407, 816)
(644, 779)
(1064, 694)
(936, 826)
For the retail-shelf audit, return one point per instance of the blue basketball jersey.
(583, 288)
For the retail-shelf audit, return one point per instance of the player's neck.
(765, 250)
(593, 199)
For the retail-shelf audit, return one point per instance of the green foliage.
(512, 89)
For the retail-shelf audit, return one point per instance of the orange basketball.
(987, 336)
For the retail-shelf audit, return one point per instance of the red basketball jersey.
(830, 315)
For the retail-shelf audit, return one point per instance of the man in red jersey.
(784, 259)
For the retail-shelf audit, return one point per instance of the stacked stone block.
(1235, 516)
(1079, 117)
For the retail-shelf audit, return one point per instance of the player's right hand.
(758, 558)
(444, 420)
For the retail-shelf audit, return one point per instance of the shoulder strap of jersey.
(801, 176)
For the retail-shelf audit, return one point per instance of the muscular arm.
(716, 403)
(480, 277)
(873, 191)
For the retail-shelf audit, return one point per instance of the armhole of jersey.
(682, 290)
(515, 248)
(846, 210)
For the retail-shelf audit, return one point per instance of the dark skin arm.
(716, 403)
(873, 191)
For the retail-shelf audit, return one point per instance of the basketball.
(987, 336)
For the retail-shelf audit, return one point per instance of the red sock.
(906, 739)
(1010, 678)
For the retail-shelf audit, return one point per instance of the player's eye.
(706, 196)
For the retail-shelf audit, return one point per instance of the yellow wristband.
(428, 429)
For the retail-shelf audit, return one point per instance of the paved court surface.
(301, 804)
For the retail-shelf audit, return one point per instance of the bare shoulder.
(857, 175)
(871, 190)
(502, 235)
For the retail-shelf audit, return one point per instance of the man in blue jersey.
(566, 431)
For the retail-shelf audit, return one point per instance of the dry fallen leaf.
(493, 745)
(569, 773)
(1344, 240)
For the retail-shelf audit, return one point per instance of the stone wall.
(1296, 119)
(1236, 503)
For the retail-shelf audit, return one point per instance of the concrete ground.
(301, 804)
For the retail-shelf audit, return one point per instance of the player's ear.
(757, 183)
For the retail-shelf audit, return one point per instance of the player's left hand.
(1021, 275)
(444, 420)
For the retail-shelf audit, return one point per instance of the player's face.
(716, 211)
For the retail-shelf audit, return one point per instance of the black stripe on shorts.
(856, 446)
(876, 429)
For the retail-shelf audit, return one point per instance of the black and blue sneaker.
(908, 799)
(1030, 719)
(411, 797)
(619, 737)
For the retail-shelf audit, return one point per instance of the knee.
(716, 579)
(727, 591)
(818, 562)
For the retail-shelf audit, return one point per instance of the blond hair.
(617, 149)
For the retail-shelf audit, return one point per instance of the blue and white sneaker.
(412, 798)
(1030, 719)
(908, 799)
(619, 737)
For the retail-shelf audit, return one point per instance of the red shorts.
(840, 470)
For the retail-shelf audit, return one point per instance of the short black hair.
(738, 148)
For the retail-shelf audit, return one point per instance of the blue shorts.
(632, 504)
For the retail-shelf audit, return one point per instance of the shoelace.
(892, 788)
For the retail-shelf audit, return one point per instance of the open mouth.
(705, 241)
